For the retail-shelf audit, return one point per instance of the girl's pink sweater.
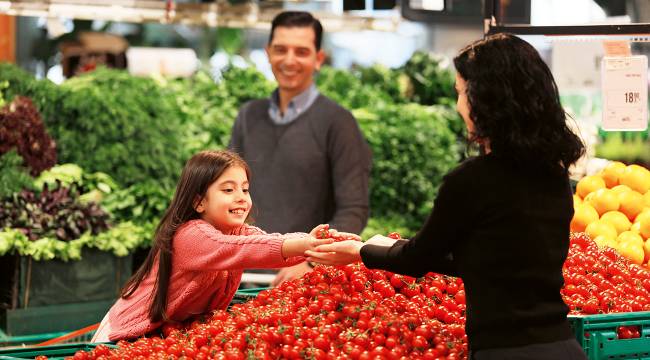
(207, 266)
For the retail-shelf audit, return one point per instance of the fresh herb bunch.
(207, 110)
(431, 82)
(55, 213)
(347, 89)
(141, 203)
(413, 147)
(244, 84)
(21, 128)
(126, 126)
(44, 93)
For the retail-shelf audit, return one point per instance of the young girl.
(201, 247)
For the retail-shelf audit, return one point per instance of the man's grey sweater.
(312, 171)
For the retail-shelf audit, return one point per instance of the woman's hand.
(338, 253)
(341, 236)
(381, 240)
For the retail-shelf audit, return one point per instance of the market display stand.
(47, 298)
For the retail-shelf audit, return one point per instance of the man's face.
(293, 57)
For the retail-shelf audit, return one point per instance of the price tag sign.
(625, 93)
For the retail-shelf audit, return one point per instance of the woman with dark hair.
(501, 219)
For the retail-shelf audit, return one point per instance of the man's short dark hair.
(298, 19)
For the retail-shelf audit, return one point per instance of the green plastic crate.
(54, 352)
(244, 295)
(598, 337)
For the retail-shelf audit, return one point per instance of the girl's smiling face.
(227, 201)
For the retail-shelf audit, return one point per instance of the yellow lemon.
(631, 237)
(644, 228)
(619, 189)
(646, 199)
(618, 219)
(636, 227)
(612, 172)
(603, 241)
(600, 227)
(584, 215)
(604, 200)
(576, 200)
(631, 204)
(636, 177)
(632, 251)
(646, 250)
(644, 215)
(589, 184)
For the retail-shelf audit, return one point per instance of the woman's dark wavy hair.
(514, 102)
(199, 173)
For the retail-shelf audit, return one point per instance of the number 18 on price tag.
(625, 93)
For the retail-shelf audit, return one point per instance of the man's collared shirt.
(296, 107)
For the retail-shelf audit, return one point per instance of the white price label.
(625, 93)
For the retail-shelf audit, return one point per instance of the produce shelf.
(597, 334)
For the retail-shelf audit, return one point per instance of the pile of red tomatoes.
(351, 312)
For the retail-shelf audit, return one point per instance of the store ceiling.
(220, 13)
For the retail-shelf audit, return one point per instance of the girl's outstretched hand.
(323, 231)
(337, 253)
(297, 246)
(320, 231)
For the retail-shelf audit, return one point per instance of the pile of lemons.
(613, 207)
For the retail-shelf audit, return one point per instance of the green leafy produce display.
(132, 135)
(626, 146)
(122, 125)
(143, 202)
(14, 176)
(120, 240)
(55, 213)
(246, 84)
(431, 83)
(413, 148)
(43, 93)
(386, 225)
(21, 128)
(208, 110)
(92, 186)
(347, 89)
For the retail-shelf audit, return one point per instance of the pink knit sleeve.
(197, 245)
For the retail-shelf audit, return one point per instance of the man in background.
(310, 163)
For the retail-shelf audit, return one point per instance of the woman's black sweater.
(505, 231)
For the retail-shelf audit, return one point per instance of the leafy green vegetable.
(125, 126)
(55, 213)
(431, 83)
(413, 148)
(14, 176)
(141, 203)
(43, 93)
(21, 128)
(386, 225)
(119, 240)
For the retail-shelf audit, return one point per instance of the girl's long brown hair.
(198, 174)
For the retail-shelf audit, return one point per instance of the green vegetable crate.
(6, 340)
(243, 295)
(54, 352)
(597, 334)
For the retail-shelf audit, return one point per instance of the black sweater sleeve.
(432, 248)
